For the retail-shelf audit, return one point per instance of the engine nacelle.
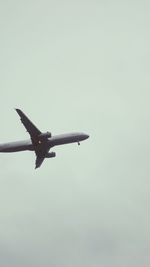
(50, 155)
(45, 135)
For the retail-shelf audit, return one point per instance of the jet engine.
(45, 135)
(50, 155)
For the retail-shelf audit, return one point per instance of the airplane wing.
(40, 150)
(39, 161)
(30, 127)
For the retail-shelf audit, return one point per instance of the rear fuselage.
(51, 142)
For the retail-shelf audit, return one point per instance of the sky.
(76, 66)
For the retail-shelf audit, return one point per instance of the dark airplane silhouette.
(40, 142)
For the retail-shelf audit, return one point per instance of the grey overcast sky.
(76, 66)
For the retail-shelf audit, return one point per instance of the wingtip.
(36, 167)
(17, 109)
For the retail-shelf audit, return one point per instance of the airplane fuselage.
(40, 142)
(51, 142)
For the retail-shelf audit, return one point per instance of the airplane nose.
(86, 136)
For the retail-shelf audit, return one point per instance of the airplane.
(40, 142)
